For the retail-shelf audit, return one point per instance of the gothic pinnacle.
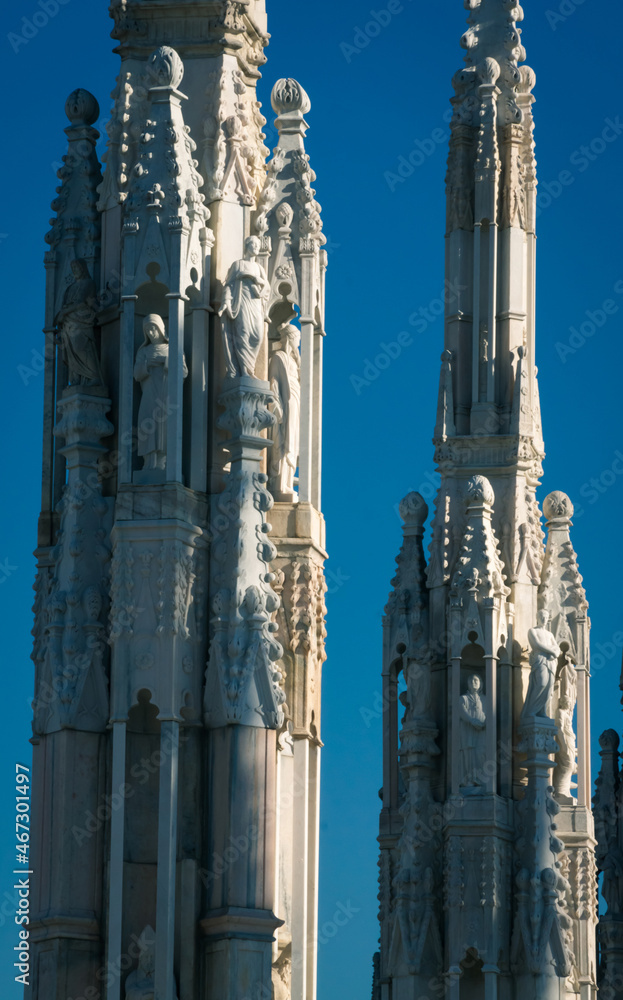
(492, 37)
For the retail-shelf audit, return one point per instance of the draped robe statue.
(472, 734)
(566, 758)
(284, 375)
(76, 328)
(543, 673)
(151, 370)
(245, 302)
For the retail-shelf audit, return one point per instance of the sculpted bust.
(543, 674)
(284, 375)
(245, 301)
(76, 327)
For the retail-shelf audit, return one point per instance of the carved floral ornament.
(289, 96)
(82, 108)
(414, 510)
(165, 67)
(557, 506)
(479, 491)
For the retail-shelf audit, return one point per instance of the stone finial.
(81, 107)
(489, 71)
(527, 81)
(479, 491)
(289, 96)
(557, 505)
(609, 741)
(414, 510)
(166, 67)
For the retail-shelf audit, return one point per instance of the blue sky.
(371, 104)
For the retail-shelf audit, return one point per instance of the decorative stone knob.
(557, 505)
(609, 741)
(527, 80)
(489, 71)
(414, 510)
(82, 108)
(479, 491)
(165, 67)
(288, 96)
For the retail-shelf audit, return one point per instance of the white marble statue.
(566, 758)
(472, 737)
(245, 301)
(284, 375)
(543, 675)
(76, 328)
(151, 370)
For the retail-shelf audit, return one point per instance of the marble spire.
(486, 833)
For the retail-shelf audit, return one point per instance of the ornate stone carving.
(163, 192)
(130, 103)
(214, 145)
(406, 612)
(151, 372)
(541, 943)
(72, 599)
(243, 311)
(561, 592)
(284, 375)
(492, 33)
(75, 236)
(244, 681)
(479, 572)
(288, 217)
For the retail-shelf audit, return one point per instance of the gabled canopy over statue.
(284, 375)
(245, 301)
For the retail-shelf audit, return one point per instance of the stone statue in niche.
(566, 761)
(473, 721)
(151, 371)
(245, 302)
(419, 690)
(76, 328)
(546, 651)
(284, 375)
